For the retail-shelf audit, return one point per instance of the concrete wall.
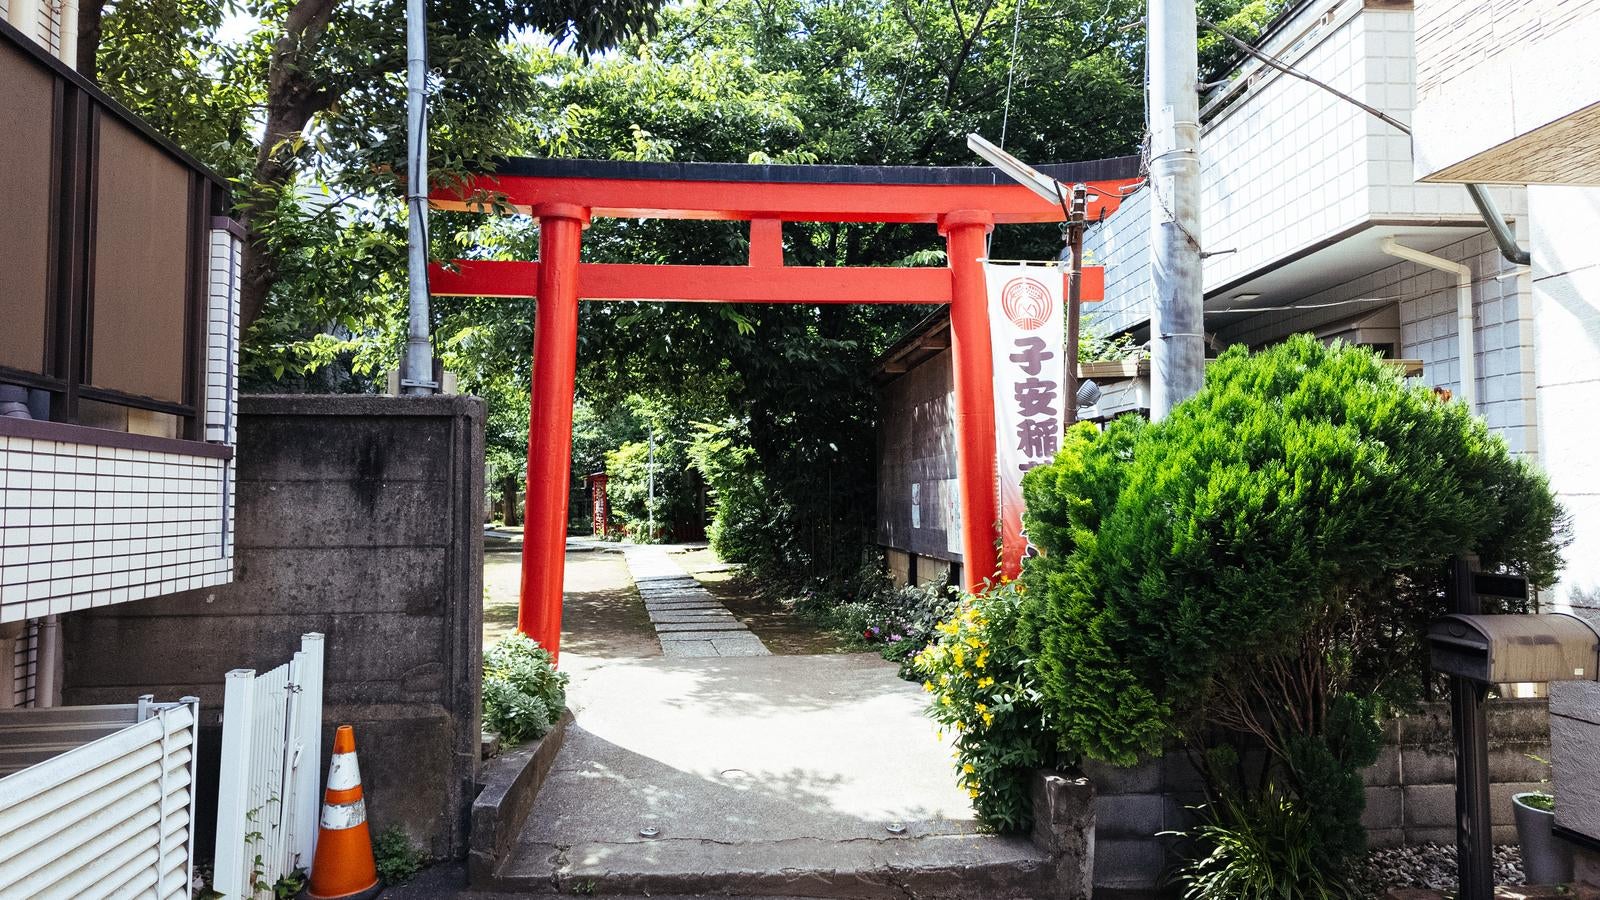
(361, 518)
(1410, 791)
(1508, 91)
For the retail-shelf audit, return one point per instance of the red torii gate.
(964, 202)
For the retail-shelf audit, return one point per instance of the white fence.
(267, 784)
(111, 816)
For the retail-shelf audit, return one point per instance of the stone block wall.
(1410, 792)
(361, 518)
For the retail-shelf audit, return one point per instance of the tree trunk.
(90, 15)
(292, 99)
(508, 499)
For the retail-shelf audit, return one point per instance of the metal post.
(1177, 325)
(555, 360)
(416, 369)
(1469, 726)
(974, 394)
(650, 479)
(1075, 227)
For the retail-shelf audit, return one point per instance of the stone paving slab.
(689, 621)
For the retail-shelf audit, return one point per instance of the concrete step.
(936, 867)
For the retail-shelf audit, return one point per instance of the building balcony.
(118, 350)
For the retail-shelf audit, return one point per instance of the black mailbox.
(1509, 649)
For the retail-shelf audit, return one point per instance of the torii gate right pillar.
(973, 364)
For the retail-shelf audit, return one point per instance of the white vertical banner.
(1026, 306)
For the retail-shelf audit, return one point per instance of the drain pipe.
(1466, 342)
(1490, 211)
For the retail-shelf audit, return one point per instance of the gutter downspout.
(1497, 226)
(1466, 341)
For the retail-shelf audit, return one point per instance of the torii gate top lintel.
(790, 193)
(964, 202)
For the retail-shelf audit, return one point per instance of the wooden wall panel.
(27, 108)
(139, 303)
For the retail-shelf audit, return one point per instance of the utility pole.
(1177, 325)
(1075, 226)
(416, 368)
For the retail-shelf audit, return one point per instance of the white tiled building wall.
(1566, 316)
(222, 345)
(1289, 165)
(88, 525)
(1503, 326)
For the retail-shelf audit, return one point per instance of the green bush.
(1259, 567)
(398, 860)
(523, 694)
(984, 691)
(1266, 851)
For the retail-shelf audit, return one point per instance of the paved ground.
(689, 622)
(777, 626)
(772, 774)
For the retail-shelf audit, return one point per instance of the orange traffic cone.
(343, 866)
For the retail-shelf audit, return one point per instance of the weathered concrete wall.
(361, 518)
(1410, 792)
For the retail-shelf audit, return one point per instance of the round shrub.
(523, 694)
(1273, 545)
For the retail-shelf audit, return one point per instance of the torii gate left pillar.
(555, 365)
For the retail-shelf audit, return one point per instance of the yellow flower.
(959, 654)
(927, 686)
(988, 719)
(983, 659)
(973, 793)
(961, 726)
(945, 700)
(985, 682)
(967, 768)
(982, 708)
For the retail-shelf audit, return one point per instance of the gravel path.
(1430, 866)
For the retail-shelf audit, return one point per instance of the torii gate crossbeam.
(965, 203)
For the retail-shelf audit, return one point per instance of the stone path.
(688, 619)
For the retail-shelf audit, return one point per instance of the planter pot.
(1545, 859)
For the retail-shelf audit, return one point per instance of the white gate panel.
(110, 818)
(270, 770)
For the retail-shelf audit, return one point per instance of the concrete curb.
(510, 782)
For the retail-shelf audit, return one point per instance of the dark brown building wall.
(917, 510)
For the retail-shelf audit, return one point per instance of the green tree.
(1258, 569)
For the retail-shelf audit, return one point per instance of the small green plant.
(290, 885)
(985, 692)
(398, 859)
(1539, 800)
(523, 694)
(1268, 849)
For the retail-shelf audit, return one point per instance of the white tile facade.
(1508, 91)
(222, 333)
(1503, 328)
(87, 525)
(1289, 166)
(83, 525)
(1566, 315)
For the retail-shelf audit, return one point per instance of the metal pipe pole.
(650, 480)
(416, 368)
(1177, 324)
(1075, 227)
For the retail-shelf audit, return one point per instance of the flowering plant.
(984, 692)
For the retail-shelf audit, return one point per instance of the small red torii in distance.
(965, 203)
